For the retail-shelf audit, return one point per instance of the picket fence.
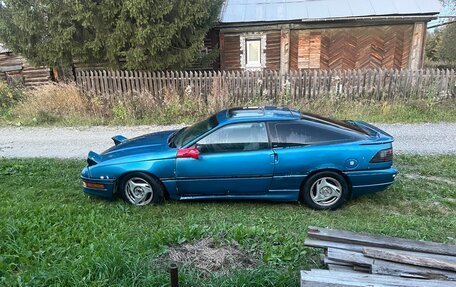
(304, 85)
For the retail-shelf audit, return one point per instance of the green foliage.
(448, 48)
(433, 45)
(158, 34)
(119, 111)
(207, 61)
(53, 235)
(9, 96)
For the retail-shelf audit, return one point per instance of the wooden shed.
(324, 34)
(15, 68)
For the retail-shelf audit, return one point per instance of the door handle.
(276, 158)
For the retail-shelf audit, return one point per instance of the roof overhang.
(321, 23)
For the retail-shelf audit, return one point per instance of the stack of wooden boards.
(359, 259)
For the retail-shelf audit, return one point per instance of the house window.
(253, 51)
(253, 47)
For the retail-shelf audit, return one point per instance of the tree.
(448, 47)
(449, 5)
(433, 45)
(147, 34)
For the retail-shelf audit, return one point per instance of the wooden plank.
(120, 83)
(91, 81)
(404, 270)
(381, 241)
(135, 82)
(140, 81)
(337, 278)
(348, 256)
(150, 85)
(114, 82)
(325, 260)
(376, 266)
(360, 248)
(12, 68)
(417, 46)
(409, 259)
(106, 88)
(284, 51)
(128, 88)
(337, 267)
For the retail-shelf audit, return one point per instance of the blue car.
(266, 153)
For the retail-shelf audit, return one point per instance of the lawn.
(53, 235)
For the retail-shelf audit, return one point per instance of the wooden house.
(288, 35)
(15, 68)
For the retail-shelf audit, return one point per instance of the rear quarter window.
(302, 133)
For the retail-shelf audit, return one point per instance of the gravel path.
(75, 142)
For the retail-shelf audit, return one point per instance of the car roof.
(274, 113)
(264, 113)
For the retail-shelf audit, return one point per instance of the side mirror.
(190, 152)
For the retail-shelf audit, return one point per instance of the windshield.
(188, 134)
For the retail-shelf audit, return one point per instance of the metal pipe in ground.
(174, 275)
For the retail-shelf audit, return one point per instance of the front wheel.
(326, 190)
(141, 189)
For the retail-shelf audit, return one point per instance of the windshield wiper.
(173, 136)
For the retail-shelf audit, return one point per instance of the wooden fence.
(303, 85)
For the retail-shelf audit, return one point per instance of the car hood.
(149, 146)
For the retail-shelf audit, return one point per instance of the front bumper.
(108, 187)
(368, 181)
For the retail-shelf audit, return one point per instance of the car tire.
(326, 190)
(139, 188)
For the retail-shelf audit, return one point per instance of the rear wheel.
(325, 190)
(141, 189)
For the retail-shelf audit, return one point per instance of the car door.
(302, 147)
(235, 159)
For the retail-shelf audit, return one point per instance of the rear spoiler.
(373, 131)
(118, 139)
(93, 158)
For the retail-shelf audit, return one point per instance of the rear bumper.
(368, 181)
(106, 192)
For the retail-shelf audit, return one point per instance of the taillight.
(384, 155)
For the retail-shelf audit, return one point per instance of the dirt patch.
(208, 257)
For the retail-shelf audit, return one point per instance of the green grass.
(53, 235)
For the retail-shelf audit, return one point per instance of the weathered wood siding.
(308, 49)
(294, 47)
(370, 47)
(273, 50)
(230, 52)
(16, 67)
(387, 47)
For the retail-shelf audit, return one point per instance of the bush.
(9, 96)
(65, 104)
(51, 103)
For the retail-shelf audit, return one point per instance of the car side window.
(236, 138)
(291, 134)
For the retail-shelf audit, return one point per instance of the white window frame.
(248, 50)
(244, 38)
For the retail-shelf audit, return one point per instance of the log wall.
(230, 52)
(18, 69)
(369, 47)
